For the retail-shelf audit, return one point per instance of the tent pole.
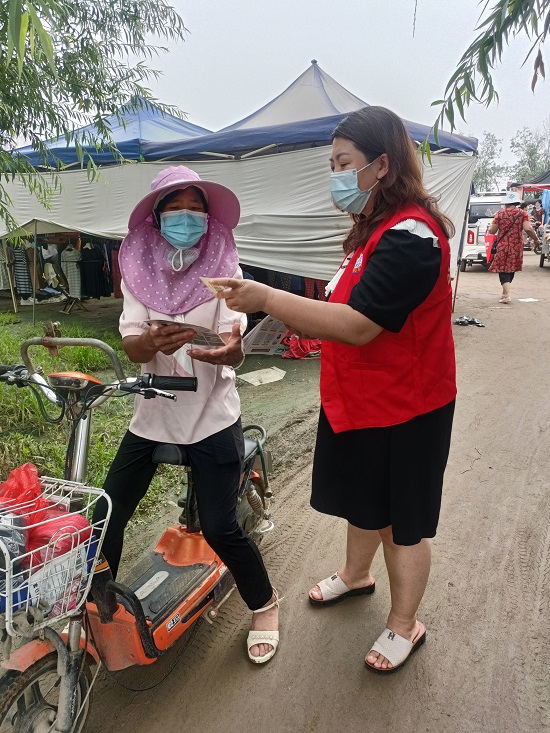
(34, 273)
(12, 289)
(456, 288)
(461, 247)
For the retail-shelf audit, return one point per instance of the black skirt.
(376, 477)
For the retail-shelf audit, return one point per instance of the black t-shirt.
(537, 214)
(400, 274)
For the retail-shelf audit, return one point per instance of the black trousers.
(506, 277)
(216, 463)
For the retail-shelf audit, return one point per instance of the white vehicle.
(483, 208)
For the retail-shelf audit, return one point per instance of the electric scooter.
(48, 682)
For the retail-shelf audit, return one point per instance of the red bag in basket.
(23, 487)
(58, 535)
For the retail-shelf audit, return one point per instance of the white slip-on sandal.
(334, 590)
(264, 637)
(396, 648)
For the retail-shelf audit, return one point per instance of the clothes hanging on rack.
(312, 284)
(93, 265)
(23, 283)
(115, 274)
(36, 272)
(279, 280)
(50, 253)
(70, 263)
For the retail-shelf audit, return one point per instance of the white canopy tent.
(313, 94)
(288, 222)
(277, 162)
(33, 228)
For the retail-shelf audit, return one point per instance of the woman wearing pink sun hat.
(178, 233)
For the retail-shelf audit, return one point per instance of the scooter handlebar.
(171, 384)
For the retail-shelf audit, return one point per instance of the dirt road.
(485, 666)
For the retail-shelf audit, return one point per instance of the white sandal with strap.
(333, 590)
(270, 638)
(396, 648)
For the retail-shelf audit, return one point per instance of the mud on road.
(485, 666)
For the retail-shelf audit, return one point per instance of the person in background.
(387, 372)
(179, 232)
(538, 214)
(538, 219)
(509, 225)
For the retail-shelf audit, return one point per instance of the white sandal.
(264, 637)
(333, 590)
(396, 648)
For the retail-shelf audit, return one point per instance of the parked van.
(483, 208)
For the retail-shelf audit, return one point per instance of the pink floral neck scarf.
(145, 259)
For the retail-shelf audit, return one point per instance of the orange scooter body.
(119, 642)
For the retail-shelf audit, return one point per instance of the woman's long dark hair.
(377, 130)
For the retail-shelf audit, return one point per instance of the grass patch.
(26, 437)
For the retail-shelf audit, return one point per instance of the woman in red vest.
(387, 372)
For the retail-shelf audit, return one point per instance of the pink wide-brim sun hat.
(223, 205)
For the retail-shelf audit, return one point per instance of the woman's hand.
(245, 296)
(167, 339)
(229, 355)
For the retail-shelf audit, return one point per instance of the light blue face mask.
(345, 191)
(183, 228)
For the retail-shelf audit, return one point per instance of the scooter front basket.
(48, 556)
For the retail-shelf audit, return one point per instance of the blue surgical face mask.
(345, 191)
(183, 228)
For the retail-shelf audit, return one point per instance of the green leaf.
(14, 26)
(482, 64)
(44, 38)
(22, 40)
(450, 114)
(458, 101)
(427, 150)
(436, 129)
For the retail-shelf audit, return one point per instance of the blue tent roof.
(278, 138)
(148, 124)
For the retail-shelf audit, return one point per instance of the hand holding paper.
(245, 296)
(230, 354)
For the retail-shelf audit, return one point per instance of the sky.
(240, 55)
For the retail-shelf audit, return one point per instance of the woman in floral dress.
(509, 225)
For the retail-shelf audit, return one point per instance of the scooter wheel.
(29, 700)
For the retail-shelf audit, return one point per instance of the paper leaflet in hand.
(266, 337)
(206, 338)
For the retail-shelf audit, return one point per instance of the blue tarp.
(143, 125)
(290, 136)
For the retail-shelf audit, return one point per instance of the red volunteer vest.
(397, 376)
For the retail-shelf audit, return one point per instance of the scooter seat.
(176, 455)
